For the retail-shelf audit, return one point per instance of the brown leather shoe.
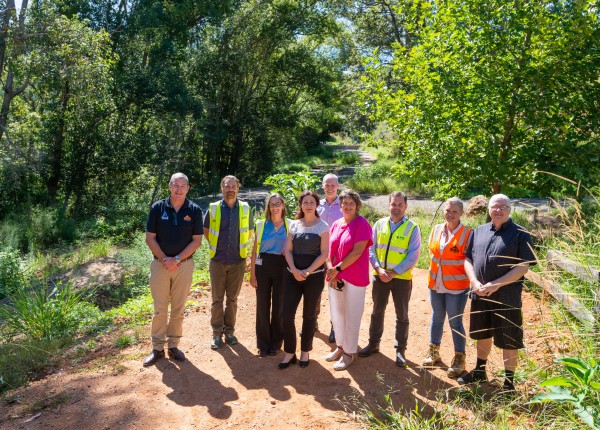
(154, 356)
(371, 348)
(176, 354)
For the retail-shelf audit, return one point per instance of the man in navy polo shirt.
(497, 259)
(173, 233)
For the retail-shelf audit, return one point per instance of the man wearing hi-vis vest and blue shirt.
(227, 229)
(394, 253)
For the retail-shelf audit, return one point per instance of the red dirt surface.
(234, 388)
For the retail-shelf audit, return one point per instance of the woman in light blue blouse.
(267, 274)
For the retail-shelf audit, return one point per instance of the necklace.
(278, 225)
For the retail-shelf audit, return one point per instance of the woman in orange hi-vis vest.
(449, 285)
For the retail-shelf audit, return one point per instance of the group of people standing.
(329, 244)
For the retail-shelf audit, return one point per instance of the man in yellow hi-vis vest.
(228, 226)
(394, 253)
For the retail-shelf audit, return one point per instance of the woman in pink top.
(348, 277)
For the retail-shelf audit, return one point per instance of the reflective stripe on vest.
(451, 261)
(215, 226)
(391, 248)
(260, 228)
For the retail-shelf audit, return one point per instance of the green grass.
(383, 177)
(26, 360)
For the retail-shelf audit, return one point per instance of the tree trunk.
(9, 93)
(57, 148)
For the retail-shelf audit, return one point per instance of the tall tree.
(493, 92)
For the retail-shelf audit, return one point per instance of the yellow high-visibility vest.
(215, 225)
(260, 228)
(391, 248)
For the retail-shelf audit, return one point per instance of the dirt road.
(234, 388)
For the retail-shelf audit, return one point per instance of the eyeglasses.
(275, 205)
(308, 203)
(348, 204)
(499, 208)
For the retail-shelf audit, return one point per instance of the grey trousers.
(226, 283)
(401, 290)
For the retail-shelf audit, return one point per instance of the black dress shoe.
(400, 359)
(154, 356)
(331, 336)
(176, 354)
(283, 365)
(304, 364)
(371, 348)
(273, 352)
(263, 353)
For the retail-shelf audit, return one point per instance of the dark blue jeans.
(454, 306)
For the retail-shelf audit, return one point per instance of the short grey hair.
(455, 201)
(501, 197)
(330, 176)
(178, 175)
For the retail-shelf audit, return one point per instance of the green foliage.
(580, 389)
(487, 94)
(291, 185)
(26, 360)
(12, 278)
(414, 419)
(49, 226)
(125, 340)
(347, 158)
(383, 177)
(41, 314)
(135, 311)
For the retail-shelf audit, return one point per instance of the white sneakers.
(345, 361)
(335, 355)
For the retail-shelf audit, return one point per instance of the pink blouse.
(342, 238)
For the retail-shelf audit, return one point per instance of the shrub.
(579, 388)
(291, 185)
(39, 314)
(11, 273)
(49, 226)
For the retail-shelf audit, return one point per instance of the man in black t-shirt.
(173, 233)
(497, 259)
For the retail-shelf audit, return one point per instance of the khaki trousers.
(169, 286)
(226, 282)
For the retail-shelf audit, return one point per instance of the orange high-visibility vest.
(452, 260)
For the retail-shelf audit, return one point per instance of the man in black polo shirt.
(497, 259)
(173, 233)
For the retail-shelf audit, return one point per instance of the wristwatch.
(177, 258)
(339, 267)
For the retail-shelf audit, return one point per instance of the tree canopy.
(492, 93)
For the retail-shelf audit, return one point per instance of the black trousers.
(270, 277)
(294, 290)
(401, 290)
